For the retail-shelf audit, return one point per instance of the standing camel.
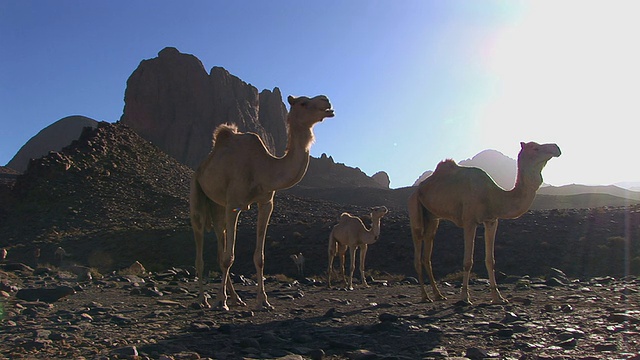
(299, 261)
(351, 233)
(240, 171)
(467, 196)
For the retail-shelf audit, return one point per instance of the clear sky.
(412, 82)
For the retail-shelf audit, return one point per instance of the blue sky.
(412, 82)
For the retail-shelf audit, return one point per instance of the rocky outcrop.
(382, 178)
(324, 172)
(172, 102)
(52, 138)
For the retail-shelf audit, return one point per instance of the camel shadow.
(238, 334)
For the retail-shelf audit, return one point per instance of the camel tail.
(417, 214)
(333, 245)
(201, 205)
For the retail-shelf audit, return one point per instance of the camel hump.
(344, 215)
(445, 166)
(224, 132)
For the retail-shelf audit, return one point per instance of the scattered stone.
(386, 317)
(476, 353)
(43, 294)
(361, 354)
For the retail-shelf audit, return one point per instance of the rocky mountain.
(500, 167)
(52, 138)
(173, 102)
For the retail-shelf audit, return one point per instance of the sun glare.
(567, 73)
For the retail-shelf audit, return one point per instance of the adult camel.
(240, 171)
(468, 196)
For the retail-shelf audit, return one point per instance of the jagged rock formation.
(324, 172)
(8, 175)
(172, 102)
(382, 178)
(52, 138)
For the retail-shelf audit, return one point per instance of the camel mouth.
(329, 113)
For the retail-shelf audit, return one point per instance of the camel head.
(534, 156)
(308, 111)
(379, 212)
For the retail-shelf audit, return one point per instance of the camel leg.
(221, 237)
(264, 213)
(469, 237)
(342, 252)
(363, 255)
(228, 254)
(198, 215)
(417, 262)
(352, 265)
(417, 220)
(198, 234)
(332, 253)
(490, 228)
(430, 235)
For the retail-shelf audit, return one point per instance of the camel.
(240, 171)
(351, 233)
(299, 261)
(468, 196)
(59, 254)
(3, 254)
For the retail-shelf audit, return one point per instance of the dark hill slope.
(109, 180)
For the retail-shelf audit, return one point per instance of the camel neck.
(375, 232)
(522, 195)
(290, 168)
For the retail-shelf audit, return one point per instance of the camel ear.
(522, 144)
(291, 100)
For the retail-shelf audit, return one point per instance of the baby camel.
(351, 233)
(467, 196)
(299, 261)
(240, 171)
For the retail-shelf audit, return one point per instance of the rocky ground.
(152, 317)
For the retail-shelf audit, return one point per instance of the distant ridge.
(501, 168)
(575, 189)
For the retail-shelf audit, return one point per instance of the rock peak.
(173, 102)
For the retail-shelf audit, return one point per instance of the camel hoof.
(463, 302)
(203, 303)
(500, 301)
(440, 297)
(264, 306)
(426, 300)
(239, 302)
(222, 306)
(199, 305)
